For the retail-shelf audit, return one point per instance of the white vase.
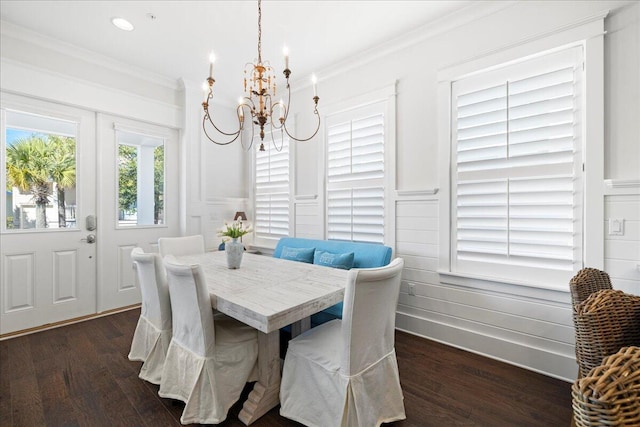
(234, 250)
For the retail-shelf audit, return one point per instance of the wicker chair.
(586, 282)
(609, 395)
(583, 284)
(604, 323)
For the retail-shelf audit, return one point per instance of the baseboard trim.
(48, 326)
(537, 360)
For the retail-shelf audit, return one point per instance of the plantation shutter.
(355, 175)
(517, 199)
(272, 189)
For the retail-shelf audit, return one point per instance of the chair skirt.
(150, 345)
(209, 386)
(314, 392)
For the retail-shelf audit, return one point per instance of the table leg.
(300, 326)
(266, 391)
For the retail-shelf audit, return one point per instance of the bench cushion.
(365, 255)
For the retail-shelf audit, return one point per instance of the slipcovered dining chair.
(178, 246)
(153, 331)
(344, 372)
(210, 358)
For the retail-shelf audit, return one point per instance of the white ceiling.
(177, 42)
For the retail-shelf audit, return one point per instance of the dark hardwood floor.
(79, 375)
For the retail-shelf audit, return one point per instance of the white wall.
(216, 178)
(526, 326)
(37, 66)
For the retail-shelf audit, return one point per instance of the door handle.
(91, 238)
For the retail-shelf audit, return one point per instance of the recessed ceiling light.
(122, 23)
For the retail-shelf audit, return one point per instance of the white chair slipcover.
(344, 372)
(178, 246)
(153, 331)
(210, 358)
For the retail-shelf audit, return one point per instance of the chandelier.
(258, 101)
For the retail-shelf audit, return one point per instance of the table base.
(266, 391)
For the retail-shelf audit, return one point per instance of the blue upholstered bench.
(365, 255)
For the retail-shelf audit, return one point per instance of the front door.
(47, 234)
(138, 202)
(82, 189)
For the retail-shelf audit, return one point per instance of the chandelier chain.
(258, 101)
(259, 32)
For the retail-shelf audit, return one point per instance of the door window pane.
(140, 179)
(40, 171)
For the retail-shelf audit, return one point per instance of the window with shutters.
(355, 177)
(516, 187)
(272, 188)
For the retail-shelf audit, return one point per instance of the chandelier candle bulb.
(285, 51)
(281, 109)
(314, 82)
(212, 59)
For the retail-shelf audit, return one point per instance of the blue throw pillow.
(298, 254)
(343, 261)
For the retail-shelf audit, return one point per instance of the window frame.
(587, 34)
(386, 94)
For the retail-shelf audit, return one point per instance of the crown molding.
(94, 96)
(599, 16)
(474, 11)
(8, 29)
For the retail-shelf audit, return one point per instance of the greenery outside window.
(140, 179)
(40, 170)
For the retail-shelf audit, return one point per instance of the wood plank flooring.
(79, 375)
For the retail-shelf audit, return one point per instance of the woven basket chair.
(587, 281)
(609, 395)
(604, 323)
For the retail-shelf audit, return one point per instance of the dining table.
(267, 294)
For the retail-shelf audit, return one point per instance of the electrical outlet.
(616, 226)
(412, 289)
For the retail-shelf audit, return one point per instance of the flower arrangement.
(234, 230)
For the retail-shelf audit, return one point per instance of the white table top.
(268, 293)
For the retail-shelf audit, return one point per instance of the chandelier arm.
(273, 141)
(250, 105)
(284, 125)
(286, 111)
(204, 129)
(273, 122)
(208, 118)
(251, 140)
